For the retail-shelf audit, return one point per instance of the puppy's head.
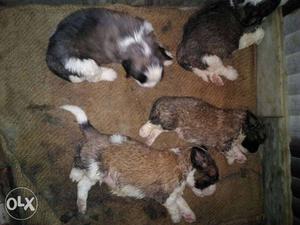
(183, 56)
(252, 13)
(254, 131)
(143, 58)
(204, 175)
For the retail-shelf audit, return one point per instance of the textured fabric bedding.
(38, 140)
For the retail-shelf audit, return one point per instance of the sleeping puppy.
(216, 31)
(232, 132)
(89, 38)
(133, 169)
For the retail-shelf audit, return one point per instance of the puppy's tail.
(79, 114)
(81, 119)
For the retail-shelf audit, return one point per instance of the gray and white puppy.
(87, 39)
(232, 132)
(133, 169)
(218, 29)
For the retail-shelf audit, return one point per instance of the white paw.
(231, 74)
(146, 129)
(76, 174)
(189, 217)
(81, 205)
(201, 73)
(75, 79)
(260, 34)
(176, 218)
(108, 74)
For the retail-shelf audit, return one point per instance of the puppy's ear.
(254, 131)
(127, 66)
(200, 157)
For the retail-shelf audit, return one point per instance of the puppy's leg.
(107, 74)
(150, 131)
(87, 69)
(185, 210)
(249, 39)
(173, 209)
(216, 69)
(83, 187)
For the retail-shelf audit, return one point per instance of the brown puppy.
(133, 169)
(233, 132)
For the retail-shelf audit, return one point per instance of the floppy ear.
(127, 66)
(199, 157)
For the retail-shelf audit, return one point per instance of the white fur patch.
(215, 70)
(209, 190)
(215, 66)
(190, 180)
(235, 154)
(75, 79)
(77, 112)
(84, 67)
(76, 174)
(138, 37)
(252, 2)
(94, 172)
(151, 132)
(249, 39)
(108, 74)
(171, 203)
(168, 62)
(185, 210)
(153, 74)
(205, 192)
(88, 70)
(175, 151)
(147, 26)
(237, 151)
(130, 191)
(83, 187)
(117, 139)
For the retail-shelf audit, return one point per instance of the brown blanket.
(38, 140)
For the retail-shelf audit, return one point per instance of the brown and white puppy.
(232, 132)
(133, 169)
(214, 32)
(87, 39)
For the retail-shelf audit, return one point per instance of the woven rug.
(38, 139)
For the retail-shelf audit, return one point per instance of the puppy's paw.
(216, 79)
(146, 129)
(176, 218)
(231, 73)
(76, 174)
(189, 217)
(81, 205)
(108, 74)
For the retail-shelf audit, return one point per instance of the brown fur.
(198, 121)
